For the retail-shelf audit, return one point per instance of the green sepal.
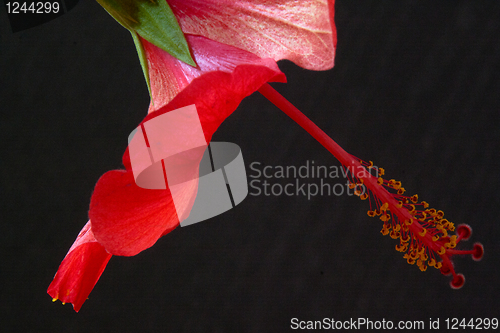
(143, 59)
(154, 21)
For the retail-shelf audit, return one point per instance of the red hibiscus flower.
(235, 45)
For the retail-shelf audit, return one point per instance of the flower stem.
(344, 157)
(284, 105)
(340, 154)
(347, 160)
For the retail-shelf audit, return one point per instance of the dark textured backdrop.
(415, 89)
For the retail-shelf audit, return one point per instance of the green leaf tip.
(143, 59)
(154, 21)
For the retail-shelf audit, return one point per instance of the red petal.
(80, 270)
(168, 76)
(127, 219)
(301, 31)
(217, 94)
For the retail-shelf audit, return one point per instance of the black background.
(415, 88)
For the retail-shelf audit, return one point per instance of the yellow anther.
(397, 185)
(411, 208)
(452, 243)
(405, 240)
(385, 229)
(384, 207)
(414, 198)
(398, 227)
(401, 191)
(385, 217)
(443, 230)
(378, 212)
(410, 261)
(448, 225)
(357, 192)
(440, 213)
(425, 204)
(432, 262)
(400, 204)
(391, 182)
(423, 267)
(381, 171)
(54, 299)
(439, 265)
(442, 250)
(380, 180)
(352, 185)
(370, 164)
(409, 222)
(371, 213)
(423, 232)
(395, 234)
(364, 196)
(435, 238)
(424, 257)
(431, 211)
(400, 248)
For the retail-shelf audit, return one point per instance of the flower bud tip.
(458, 281)
(464, 231)
(478, 252)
